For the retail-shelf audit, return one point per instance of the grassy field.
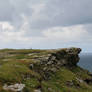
(14, 68)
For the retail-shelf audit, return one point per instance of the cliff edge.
(55, 70)
(55, 59)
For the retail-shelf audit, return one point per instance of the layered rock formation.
(55, 59)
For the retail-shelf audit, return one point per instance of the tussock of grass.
(15, 72)
(58, 82)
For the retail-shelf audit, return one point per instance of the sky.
(46, 24)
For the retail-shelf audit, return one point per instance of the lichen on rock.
(16, 87)
(56, 59)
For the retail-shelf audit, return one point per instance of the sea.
(86, 61)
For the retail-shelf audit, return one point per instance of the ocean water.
(86, 61)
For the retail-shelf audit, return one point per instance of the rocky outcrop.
(15, 87)
(52, 61)
(43, 71)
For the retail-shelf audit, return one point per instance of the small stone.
(69, 83)
(81, 81)
(53, 69)
(49, 89)
(50, 62)
(15, 87)
(31, 66)
(37, 90)
(53, 58)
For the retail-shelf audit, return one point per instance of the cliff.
(56, 59)
(43, 71)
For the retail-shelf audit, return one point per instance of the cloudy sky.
(45, 24)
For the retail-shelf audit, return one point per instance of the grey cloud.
(64, 13)
(6, 10)
(12, 11)
(53, 13)
(88, 27)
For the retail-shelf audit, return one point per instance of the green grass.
(14, 68)
(32, 83)
(81, 73)
(15, 72)
(58, 82)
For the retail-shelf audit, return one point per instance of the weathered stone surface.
(69, 83)
(57, 59)
(15, 87)
(37, 90)
(80, 80)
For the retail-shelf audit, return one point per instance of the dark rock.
(56, 59)
(88, 81)
(31, 66)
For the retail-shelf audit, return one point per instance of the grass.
(15, 72)
(59, 80)
(14, 68)
(81, 73)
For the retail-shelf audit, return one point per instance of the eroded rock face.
(56, 59)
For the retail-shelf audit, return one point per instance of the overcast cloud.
(46, 24)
